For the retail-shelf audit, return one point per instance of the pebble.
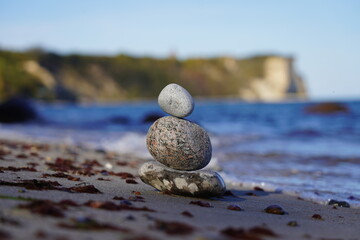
(293, 224)
(234, 207)
(317, 217)
(179, 144)
(187, 214)
(275, 209)
(176, 101)
(203, 184)
(339, 203)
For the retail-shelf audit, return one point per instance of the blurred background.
(120, 50)
(276, 82)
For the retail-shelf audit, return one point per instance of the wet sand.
(105, 199)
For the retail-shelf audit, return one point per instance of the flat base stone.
(201, 183)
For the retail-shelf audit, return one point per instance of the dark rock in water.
(17, 110)
(152, 117)
(304, 133)
(327, 108)
(201, 183)
(339, 203)
(354, 198)
(179, 144)
(119, 120)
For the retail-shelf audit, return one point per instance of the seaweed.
(50, 185)
(17, 169)
(139, 238)
(123, 175)
(4, 152)
(89, 224)
(34, 184)
(254, 233)
(85, 189)
(131, 198)
(15, 198)
(174, 228)
(61, 175)
(44, 207)
(21, 155)
(4, 235)
(187, 214)
(103, 179)
(9, 221)
(317, 217)
(63, 165)
(201, 204)
(131, 181)
(136, 199)
(91, 163)
(262, 231)
(48, 207)
(115, 207)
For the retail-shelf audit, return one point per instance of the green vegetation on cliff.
(49, 76)
(14, 80)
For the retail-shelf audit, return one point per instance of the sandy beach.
(71, 192)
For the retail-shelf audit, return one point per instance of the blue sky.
(323, 36)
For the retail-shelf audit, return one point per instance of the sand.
(163, 216)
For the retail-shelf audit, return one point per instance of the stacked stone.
(180, 148)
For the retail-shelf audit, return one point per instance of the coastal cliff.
(49, 76)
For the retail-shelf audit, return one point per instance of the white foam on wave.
(323, 198)
(123, 143)
(131, 143)
(240, 184)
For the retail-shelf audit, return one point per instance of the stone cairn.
(180, 148)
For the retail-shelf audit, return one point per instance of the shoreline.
(64, 172)
(236, 183)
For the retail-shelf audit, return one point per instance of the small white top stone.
(176, 101)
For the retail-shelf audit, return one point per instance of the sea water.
(278, 147)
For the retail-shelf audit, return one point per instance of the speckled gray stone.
(176, 101)
(179, 144)
(201, 183)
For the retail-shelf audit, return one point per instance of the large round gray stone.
(179, 144)
(201, 183)
(176, 101)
